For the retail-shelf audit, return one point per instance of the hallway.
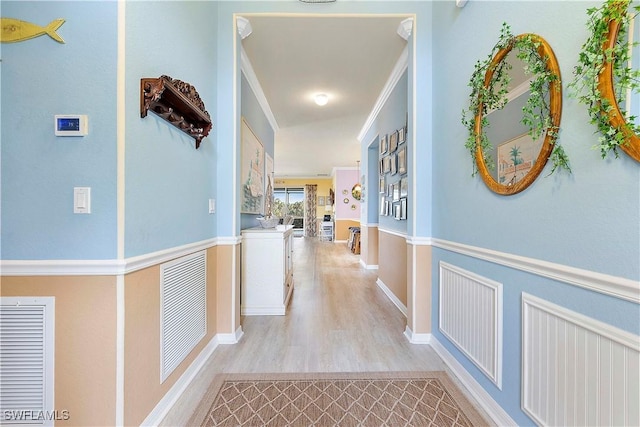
(338, 320)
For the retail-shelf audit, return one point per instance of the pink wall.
(345, 180)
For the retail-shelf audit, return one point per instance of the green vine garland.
(536, 112)
(591, 63)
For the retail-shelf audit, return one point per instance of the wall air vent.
(26, 361)
(183, 302)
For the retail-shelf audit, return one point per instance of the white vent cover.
(26, 360)
(471, 317)
(183, 309)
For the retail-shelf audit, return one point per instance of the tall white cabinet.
(267, 270)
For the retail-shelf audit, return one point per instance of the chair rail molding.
(107, 267)
(618, 287)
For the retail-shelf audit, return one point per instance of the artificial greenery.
(592, 60)
(536, 112)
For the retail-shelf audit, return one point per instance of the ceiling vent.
(316, 1)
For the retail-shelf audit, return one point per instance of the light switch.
(212, 206)
(82, 200)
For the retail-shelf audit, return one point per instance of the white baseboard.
(495, 411)
(417, 338)
(232, 338)
(367, 266)
(264, 311)
(392, 297)
(165, 404)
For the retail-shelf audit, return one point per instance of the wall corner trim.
(491, 407)
(419, 241)
(368, 266)
(415, 338)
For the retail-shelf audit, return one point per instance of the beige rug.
(335, 399)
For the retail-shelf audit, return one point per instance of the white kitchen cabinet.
(267, 270)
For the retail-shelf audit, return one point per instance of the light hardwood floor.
(338, 320)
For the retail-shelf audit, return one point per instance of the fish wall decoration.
(15, 30)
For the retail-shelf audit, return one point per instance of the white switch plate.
(82, 200)
(212, 206)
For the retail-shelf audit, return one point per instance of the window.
(289, 201)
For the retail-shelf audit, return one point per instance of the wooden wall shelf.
(176, 102)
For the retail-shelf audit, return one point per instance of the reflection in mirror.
(514, 150)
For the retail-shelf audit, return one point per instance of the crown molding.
(405, 28)
(244, 27)
(252, 79)
(401, 65)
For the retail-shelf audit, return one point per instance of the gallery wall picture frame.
(396, 191)
(321, 201)
(387, 164)
(394, 164)
(393, 142)
(404, 186)
(387, 208)
(384, 144)
(402, 160)
(383, 205)
(402, 136)
(396, 211)
(390, 190)
(381, 187)
(403, 208)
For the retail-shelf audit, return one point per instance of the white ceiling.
(349, 58)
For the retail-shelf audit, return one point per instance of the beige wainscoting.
(86, 315)
(85, 343)
(143, 389)
(392, 264)
(369, 246)
(228, 288)
(419, 258)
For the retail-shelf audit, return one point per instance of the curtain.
(310, 208)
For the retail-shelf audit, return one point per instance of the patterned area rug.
(336, 399)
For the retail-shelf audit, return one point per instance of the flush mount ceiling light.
(316, 1)
(321, 98)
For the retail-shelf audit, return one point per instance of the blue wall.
(42, 78)
(169, 182)
(392, 116)
(588, 220)
(259, 124)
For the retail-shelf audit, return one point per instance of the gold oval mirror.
(356, 192)
(519, 156)
(617, 118)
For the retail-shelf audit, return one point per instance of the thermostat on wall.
(71, 125)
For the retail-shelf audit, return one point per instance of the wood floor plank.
(338, 320)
